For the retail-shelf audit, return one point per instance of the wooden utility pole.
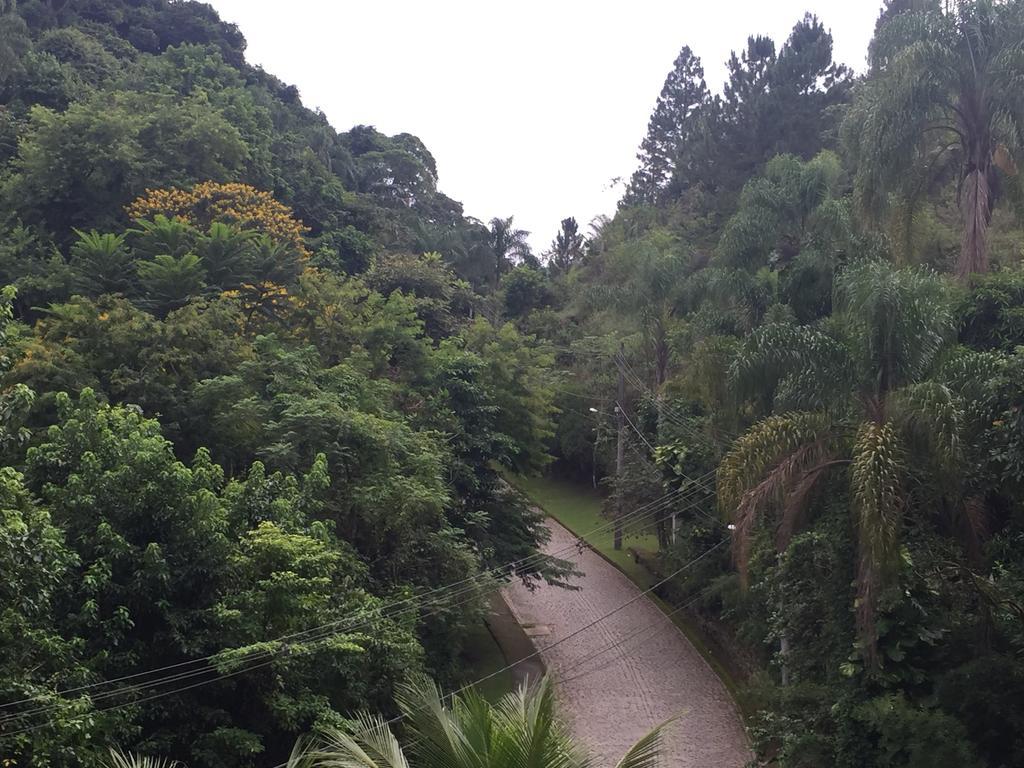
(620, 448)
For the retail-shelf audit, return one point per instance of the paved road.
(611, 699)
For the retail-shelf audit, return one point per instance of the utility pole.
(620, 448)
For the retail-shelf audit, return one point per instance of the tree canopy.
(264, 389)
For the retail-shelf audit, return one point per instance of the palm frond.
(763, 465)
(373, 745)
(903, 30)
(884, 128)
(900, 318)
(120, 759)
(930, 414)
(646, 752)
(878, 502)
(439, 732)
(302, 754)
(805, 367)
(975, 378)
(532, 736)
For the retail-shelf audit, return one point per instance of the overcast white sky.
(530, 108)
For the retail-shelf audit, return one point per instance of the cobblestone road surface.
(611, 699)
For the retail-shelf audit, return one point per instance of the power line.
(180, 676)
(630, 422)
(666, 410)
(589, 657)
(598, 620)
(506, 668)
(664, 619)
(309, 635)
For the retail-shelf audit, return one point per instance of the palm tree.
(227, 253)
(854, 398)
(101, 264)
(641, 285)
(162, 236)
(169, 282)
(947, 95)
(520, 731)
(508, 245)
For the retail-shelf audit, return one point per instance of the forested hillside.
(250, 414)
(816, 281)
(259, 381)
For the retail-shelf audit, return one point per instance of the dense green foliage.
(257, 380)
(792, 273)
(251, 408)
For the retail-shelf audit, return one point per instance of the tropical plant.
(782, 211)
(169, 281)
(856, 397)
(520, 731)
(162, 236)
(227, 254)
(101, 264)
(119, 759)
(947, 96)
(237, 204)
(14, 40)
(509, 244)
(641, 286)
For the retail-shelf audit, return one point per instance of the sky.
(532, 109)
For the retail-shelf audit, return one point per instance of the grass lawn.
(578, 508)
(482, 656)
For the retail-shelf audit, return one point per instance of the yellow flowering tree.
(237, 204)
(277, 244)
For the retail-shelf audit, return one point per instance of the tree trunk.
(661, 353)
(976, 209)
(620, 449)
(661, 529)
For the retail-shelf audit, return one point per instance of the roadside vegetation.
(260, 381)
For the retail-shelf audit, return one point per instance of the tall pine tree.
(674, 123)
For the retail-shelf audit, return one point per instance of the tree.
(509, 245)
(169, 282)
(101, 264)
(781, 211)
(775, 101)
(674, 123)
(516, 371)
(119, 759)
(790, 221)
(945, 100)
(524, 290)
(442, 300)
(567, 247)
(857, 400)
(520, 731)
(14, 40)
(162, 236)
(165, 564)
(641, 285)
(79, 167)
(226, 253)
(238, 205)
